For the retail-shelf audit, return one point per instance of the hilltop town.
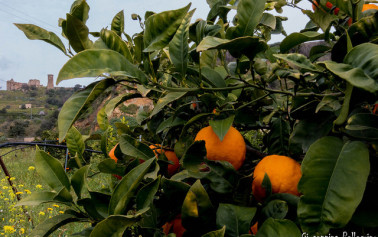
(13, 85)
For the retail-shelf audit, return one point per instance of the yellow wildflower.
(31, 168)
(55, 205)
(6, 199)
(13, 178)
(18, 193)
(9, 229)
(49, 209)
(27, 191)
(5, 187)
(22, 231)
(61, 212)
(20, 185)
(38, 186)
(41, 213)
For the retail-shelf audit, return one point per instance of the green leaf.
(51, 171)
(194, 156)
(102, 119)
(237, 219)
(321, 18)
(276, 209)
(114, 226)
(278, 137)
(37, 198)
(78, 180)
(248, 46)
(277, 228)
(134, 148)
(118, 23)
(146, 195)
(268, 20)
(75, 142)
(333, 182)
(51, 224)
(216, 233)
(298, 60)
(94, 62)
(249, 13)
(34, 32)
(345, 107)
(221, 127)
(109, 166)
(126, 188)
(80, 9)
(363, 126)
(97, 205)
(78, 103)
(77, 33)
(162, 102)
(161, 27)
(360, 67)
(113, 103)
(179, 46)
(222, 176)
(170, 123)
(212, 76)
(114, 41)
(197, 210)
(295, 39)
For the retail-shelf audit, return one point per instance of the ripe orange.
(231, 149)
(254, 228)
(284, 174)
(328, 5)
(369, 6)
(175, 226)
(171, 156)
(112, 155)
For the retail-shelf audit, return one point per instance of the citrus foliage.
(222, 74)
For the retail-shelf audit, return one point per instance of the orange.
(253, 229)
(112, 155)
(175, 226)
(369, 6)
(231, 149)
(171, 156)
(284, 174)
(328, 5)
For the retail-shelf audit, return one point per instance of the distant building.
(50, 81)
(13, 85)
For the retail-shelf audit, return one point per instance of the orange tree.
(318, 113)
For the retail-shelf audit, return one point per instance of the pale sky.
(23, 59)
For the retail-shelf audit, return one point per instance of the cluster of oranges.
(284, 173)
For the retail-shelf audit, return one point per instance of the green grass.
(26, 180)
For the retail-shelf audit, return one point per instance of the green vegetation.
(319, 119)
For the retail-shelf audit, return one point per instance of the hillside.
(17, 120)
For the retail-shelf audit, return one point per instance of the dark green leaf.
(212, 76)
(278, 228)
(278, 137)
(51, 224)
(161, 27)
(118, 23)
(197, 210)
(146, 195)
(276, 209)
(78, 103)
(34, 32)
(80, 9)
(360, 67)
(363, 126)
(115, 42)
(51, 171)
(37, 198)
(94, 62)
(162, 102)
(298, 60)
(126, 188)
(249, 46)
(221, 127)
(97, 205)
(345, 107)
(179, 46)
(194, 156)
(114, 226)
(237, 219)
(216, 233)
(321, 18)
(333, 181)
(249, 13)
(109, 166)
(295, 39)
(170, 123)
(77, 33)
(78, 180)
(134, 148)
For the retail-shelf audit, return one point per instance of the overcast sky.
(23, 59)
